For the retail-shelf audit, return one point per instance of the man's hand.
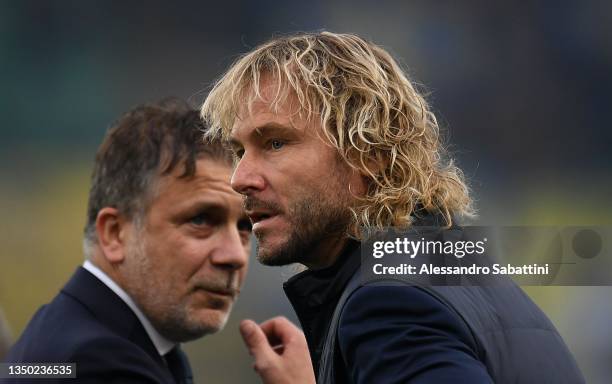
(280, 351)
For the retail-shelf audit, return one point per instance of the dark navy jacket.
(88, 324)
(406, 334)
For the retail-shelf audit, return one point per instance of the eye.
(276, 144)
(200, 220)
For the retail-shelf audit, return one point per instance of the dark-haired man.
(166, 246)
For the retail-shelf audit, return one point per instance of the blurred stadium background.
(524, 89)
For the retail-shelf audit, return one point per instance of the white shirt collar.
(162, 344)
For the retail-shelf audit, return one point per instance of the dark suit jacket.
(88, 324)
(477, 334)
(393, 334)
(398, 333)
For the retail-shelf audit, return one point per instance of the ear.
(357, 183)
(111, 228)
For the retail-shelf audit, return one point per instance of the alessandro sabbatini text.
(430, 269)
(487, 255)
(459, 249)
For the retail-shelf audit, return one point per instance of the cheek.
(178, 255)
(242, 276)
(289, 186)
(242, 272)
(191, 254)
(247, 251)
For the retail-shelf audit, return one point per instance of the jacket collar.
(313, 288)
(314, 294)
(109, 309)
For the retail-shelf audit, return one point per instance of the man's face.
(296, 187)
(186, 261)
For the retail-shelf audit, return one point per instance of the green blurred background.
(524, 91)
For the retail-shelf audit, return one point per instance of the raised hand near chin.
(280, 351)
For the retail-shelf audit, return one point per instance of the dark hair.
(149, 141)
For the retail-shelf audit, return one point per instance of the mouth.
(260, 217)
(262, 213)
(227, 293)
(222, 293)
(213, 299)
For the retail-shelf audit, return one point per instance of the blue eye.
(200, 219)
(276, 144)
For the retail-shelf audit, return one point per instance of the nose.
(247, 177)
(231, 253)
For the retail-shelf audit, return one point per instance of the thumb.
(255, 340)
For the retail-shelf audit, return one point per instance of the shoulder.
(99, 354)
(64, 330)
(385, 302)
(401, 308)
(412, 334)
(103, 359)
(116, 359)
(59, 327)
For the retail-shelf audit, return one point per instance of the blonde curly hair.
(369, 111)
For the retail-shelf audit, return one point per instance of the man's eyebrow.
(272, 128)
(207, 207)
(264, 130)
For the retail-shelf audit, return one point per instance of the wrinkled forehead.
(211, 180)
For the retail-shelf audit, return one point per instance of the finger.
(280, 330)
(255, 340)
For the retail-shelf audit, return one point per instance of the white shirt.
(162, 344)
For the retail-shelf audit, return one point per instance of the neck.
(326, 253)
(109, 269)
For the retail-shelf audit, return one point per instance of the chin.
(274, 256)
(267, 239)
(265, 253)
(212, 320)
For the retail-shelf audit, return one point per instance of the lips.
(227, 294)
(263, 221)
(257, 216)
(218, 289)
(261, 213)
(217, 300)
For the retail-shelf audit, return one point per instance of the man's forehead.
(267, 99)
(209, 186)
(207, 172)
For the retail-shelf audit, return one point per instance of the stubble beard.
(169, 316)
(314, 221)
